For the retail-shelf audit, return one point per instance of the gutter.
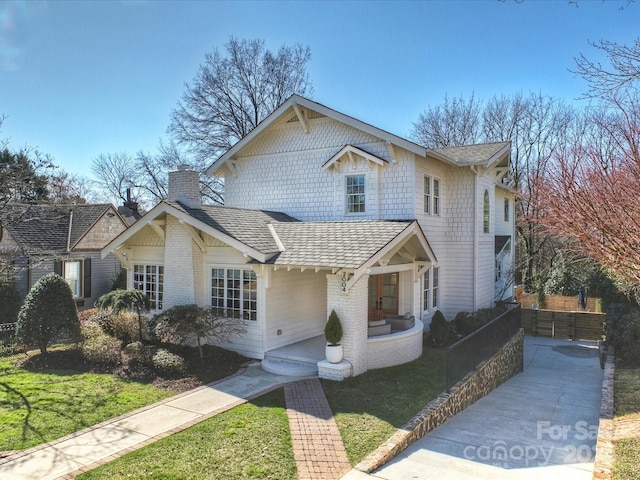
(69, 233)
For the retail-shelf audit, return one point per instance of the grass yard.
(45, 399)
(251, 441)
(40, 406)
(369, 408)
(627, 407)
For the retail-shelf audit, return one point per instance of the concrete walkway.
(86, 449)
(541, 424)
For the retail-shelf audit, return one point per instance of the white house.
(324, 212)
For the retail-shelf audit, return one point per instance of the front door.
(383, 295)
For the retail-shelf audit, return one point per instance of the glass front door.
(383, 295)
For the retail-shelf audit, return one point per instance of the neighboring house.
(322, 212)
(65, 239)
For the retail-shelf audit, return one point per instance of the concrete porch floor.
(297, 359)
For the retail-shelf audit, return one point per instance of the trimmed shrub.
(99, 348)
(123, 325)
(48, 311)
(168, 363)
(139, 352)
(333, 329)
(439, 329)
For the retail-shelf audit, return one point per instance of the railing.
(7, 338)
(466, 354)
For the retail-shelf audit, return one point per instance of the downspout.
(475, 237)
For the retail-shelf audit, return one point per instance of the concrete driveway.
(541, 424)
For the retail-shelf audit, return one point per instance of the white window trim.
(159, 294)
(80, 278)
(346, 195)
(431, 203)
(242, 268)
(433, 290)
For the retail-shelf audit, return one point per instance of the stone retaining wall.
(506, 363)
(605, 451)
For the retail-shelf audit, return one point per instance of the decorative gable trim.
(308, 110)
(348, 152)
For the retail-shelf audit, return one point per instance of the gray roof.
(346, 244)
(249, 227)
(45, 228)
(471, 154)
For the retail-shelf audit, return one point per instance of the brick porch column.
(351, 307)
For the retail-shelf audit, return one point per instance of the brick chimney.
(184, 186)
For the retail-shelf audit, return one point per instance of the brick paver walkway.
(317, 445)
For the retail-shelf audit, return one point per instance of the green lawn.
(251, 441)
(627, 406)
(369, 408)
(40, 406)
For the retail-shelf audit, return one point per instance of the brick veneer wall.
(508, 362)
(389, 350)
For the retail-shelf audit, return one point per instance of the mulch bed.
(215, 365)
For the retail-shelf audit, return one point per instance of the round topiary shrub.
(48, 311)
(168, 363)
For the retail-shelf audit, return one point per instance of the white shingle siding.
(283, 170)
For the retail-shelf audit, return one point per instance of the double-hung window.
(431, 292)
(431, 196)
(506, 209)
(486, 213)
(73, 276)
(149, 279)
(234, 291)
(356, 194)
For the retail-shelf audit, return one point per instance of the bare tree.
(455, 122)
(622, 71)
(67, 188)
(537, 126)
(115, 174)
(232, 93)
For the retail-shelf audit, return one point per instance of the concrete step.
(293, 369)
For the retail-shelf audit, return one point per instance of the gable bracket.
(156, 225)
(194, 236)
(392, 152)
(301, 117)
(421, 269)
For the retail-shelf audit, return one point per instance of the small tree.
(333, 329)
(120, 300)
(48, 311)
(179, 323)
(439, 328)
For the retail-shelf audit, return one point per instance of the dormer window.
(355, 194)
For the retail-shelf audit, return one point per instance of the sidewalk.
(102, 443)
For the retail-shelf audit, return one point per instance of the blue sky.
(81, 78)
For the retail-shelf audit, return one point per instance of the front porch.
(301, 359)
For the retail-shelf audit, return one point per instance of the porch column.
(351, 307)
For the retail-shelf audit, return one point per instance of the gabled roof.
(485, 154)
(50, 229)
(278, 239)
(292, 105)
(346, 244)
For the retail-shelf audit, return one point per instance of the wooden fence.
(572, 325)
(556, 302)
